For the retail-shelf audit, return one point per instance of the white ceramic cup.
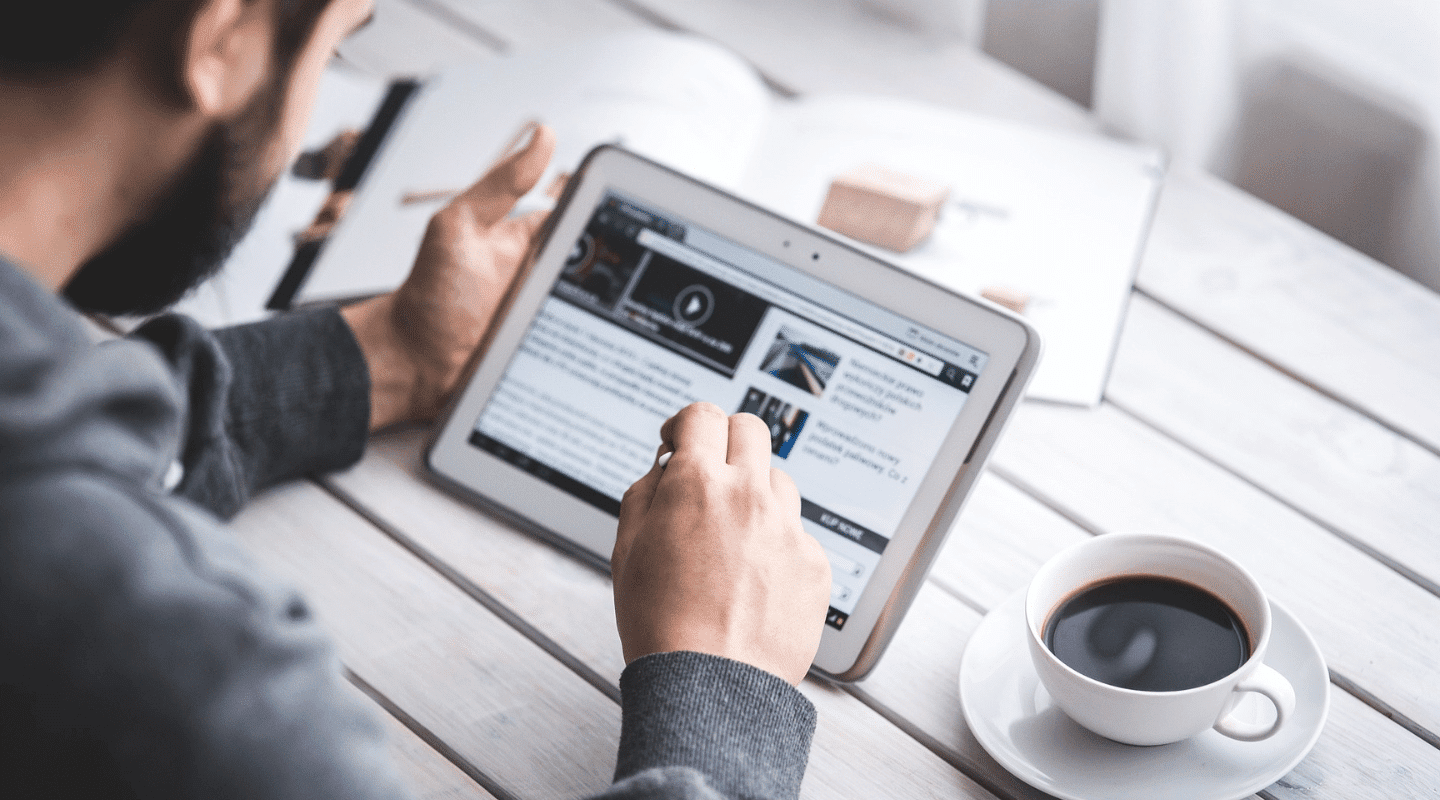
(1143, 717)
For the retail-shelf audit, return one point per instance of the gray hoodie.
(142, 654)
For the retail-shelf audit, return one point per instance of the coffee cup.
(1149, 640)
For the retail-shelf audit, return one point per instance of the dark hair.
(42, 39)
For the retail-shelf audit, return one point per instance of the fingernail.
(521, 140)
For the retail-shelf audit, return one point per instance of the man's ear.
(227, 52)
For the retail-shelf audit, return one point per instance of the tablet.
(884, 393)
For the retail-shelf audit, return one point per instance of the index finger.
(698, 432)
(749, 444)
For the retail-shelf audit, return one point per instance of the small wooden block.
(1013, 299)
(883, 207)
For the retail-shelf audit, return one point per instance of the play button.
(694, 304)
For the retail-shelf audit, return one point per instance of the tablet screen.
(651, 313)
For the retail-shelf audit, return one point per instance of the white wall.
(1329, 109)
(1326, 108)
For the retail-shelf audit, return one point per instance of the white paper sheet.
(1057, 216)
(681, 101)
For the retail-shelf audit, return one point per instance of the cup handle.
(1274, 686)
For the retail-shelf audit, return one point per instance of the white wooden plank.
(857, 753)
(504, 704)
(1308, 303)
(431, 775)
(1374, 626)
(917, 679)
(1336, 464)
(1001, 539)
(837, 45)
(572, 604)
(998, 542)
(554, 592)
(1363, 755)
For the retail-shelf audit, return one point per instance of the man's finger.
(644, 488)
(699, 432)
(633, 507)
(530, 224)
(492, 197)
(749, 444)
(785, 491)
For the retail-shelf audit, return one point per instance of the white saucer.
(1019, 725)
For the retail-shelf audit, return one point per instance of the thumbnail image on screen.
(784, 420)
(799, 363)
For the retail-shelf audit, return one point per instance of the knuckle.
(685, 474)
(447, 215)
(709, 490)
(444, 224)
(702, 480)
(784, 490)
(755, 425)
(703, 408)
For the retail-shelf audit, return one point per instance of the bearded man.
(143, 654)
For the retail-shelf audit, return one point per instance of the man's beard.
(196, 223)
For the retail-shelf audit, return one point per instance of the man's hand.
(711, 556)
(417, 339)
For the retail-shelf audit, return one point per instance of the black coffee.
(1151, 634)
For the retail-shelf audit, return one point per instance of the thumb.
(530, 224)
(492, 197)
(633, 507)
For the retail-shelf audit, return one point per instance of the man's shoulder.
(33, 322)
(68, 404)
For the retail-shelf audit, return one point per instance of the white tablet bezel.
(1011, 344)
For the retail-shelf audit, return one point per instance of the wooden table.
(1275, 394)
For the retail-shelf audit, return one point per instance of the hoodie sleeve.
(265, 402)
